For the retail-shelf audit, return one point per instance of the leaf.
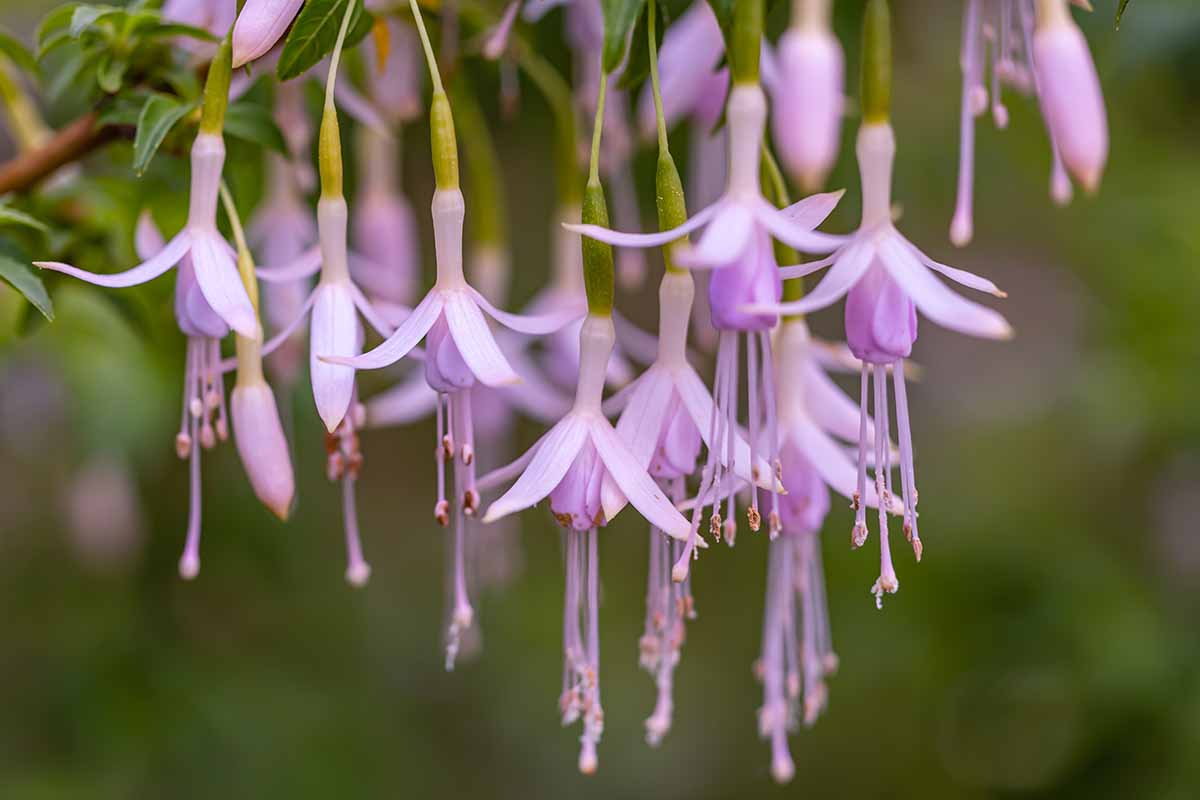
(159, 115)
(1120, 13)
(253, 123)
(85, 16)
(619, 18)
(18, 53)
(179, 29)
(111, 72)
(21, 277)
(13, 216)
(314, 35)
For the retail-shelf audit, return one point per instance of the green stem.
(747, 40)
(597, 129)
(329, 148)
(430, 59)
(216, 88)
(659, 117)
(597, 256)
(877, 63)
(669, 197)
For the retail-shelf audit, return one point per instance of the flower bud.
(259, 27)
(262, 446)
(807, 116)
(1071, 100)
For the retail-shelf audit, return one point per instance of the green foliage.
(253, 123)
(18, 53)
(158, 116)
(619, 19)
(314, 35)
(13, 216)
(1120, 13)
(17, 273)
(637, 67)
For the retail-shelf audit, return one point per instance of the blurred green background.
(1045, 647)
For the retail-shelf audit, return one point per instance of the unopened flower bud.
(807, 115)
(262, 446)
(259, 27)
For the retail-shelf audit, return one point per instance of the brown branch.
(66, 145)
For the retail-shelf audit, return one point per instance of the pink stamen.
(858, 536)
(189, 562)
(907, 468)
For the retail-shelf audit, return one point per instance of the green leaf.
(314, 35)
(179, 29)
(21, 277)
(253, 123)
(159, 115)
(13, 216)
(619, 18)
(53, 27)
(1120, 13)
(111, 72)
(86, 16)
(18, 53)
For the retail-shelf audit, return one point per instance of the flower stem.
(329, 155)
(877, 63)
(669, 197)
(216, 88)
(597, 256)
(249, 350)
(652, 41)
(747, 40)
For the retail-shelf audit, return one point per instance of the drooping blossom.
(394, 86)
(385, 230)
(1000, 50)
(808, 96)
(214, 16)
(259, 26)
(589, 475)
(887, 280)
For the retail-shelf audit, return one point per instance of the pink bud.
(807, 114)
(259, 27)
(262, 446)
(1071, 99)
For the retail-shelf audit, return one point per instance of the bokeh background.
(1046, 646)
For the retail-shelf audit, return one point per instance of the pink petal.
(536, 9)
(148, 270)
(259, 27)
(723, 241)
(497, 38)
(409, 401)
(475, 341)
(641, 424)
(147, 238)
(335, 331)
(788, 232)
(806, 268)
(968, 279)
(219, 281)
(644, 239)
(375, 319)
(830, 408)
(304, 266)
(635, 483)
(555, 454)
(937, 302)
(406, 337)
(813, 210)
(851, 265)
(532, 324)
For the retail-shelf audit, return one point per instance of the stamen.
(358, 571)
(887, 575)
(461, 614)
(773, 522)
(962, 224)
(441, 511)
(858, 535)
(189, 562)
(907, 469)
(731, 433)
(753, 410)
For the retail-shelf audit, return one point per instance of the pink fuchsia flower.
(888, 280)
(395, 85)
(203, 421)
(385, 230)
(1069, 92)
(809, 95)
(260, 25)
(261, 444)
(690, 76)
(214, 16)
(211, 256)
(589, 475)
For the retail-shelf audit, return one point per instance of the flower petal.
(641, 423)
(259, 26)
(407, 335)
(799, 237)
(147, 238)
(335, 331)
(968, 279)
(935, 300)
(475, 341)
(409, 401)
(307, 264)
(555, 454)
(219, 281)
(148, 270)
(806, 268)
(617, 403)
(723, 241)
(533, 324)
(813, 210)
(609, 236)
(849, 267)
(375, 319)
(831, 408)
(634, 482)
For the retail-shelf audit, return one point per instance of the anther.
(441, 512)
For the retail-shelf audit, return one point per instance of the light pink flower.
(260, 26)
(214, 16)
(395, 89)
(261, 444)
(688, 67)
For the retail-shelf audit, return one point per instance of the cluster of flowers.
(798, 436)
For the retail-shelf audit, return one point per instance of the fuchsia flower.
(807, 118)
(385, 230)
(690, 74)
(888, 279)
(260, 26)
(395, 89)
(211, 257)
(1001, 37)
(589, 474)
(214, 16)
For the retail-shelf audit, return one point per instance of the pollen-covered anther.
(856, 502)
(918, 548)
(448, 445)
(753, 518)
(470, 502)
(183, 445)
(468, 453)
(858, 535)
(196, 407)
(222, 429)
(441, 512)
(884, 584)
(714, 525)
(793, 684)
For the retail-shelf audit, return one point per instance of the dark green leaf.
(314, 35)
(1121, 12)
(179, 29)
(21, 277)
(18, 53)
(253, 123)
(53, 27)
(86, 16)
(13, 216)
(111, 72)
(619, 18)
(159, 115)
